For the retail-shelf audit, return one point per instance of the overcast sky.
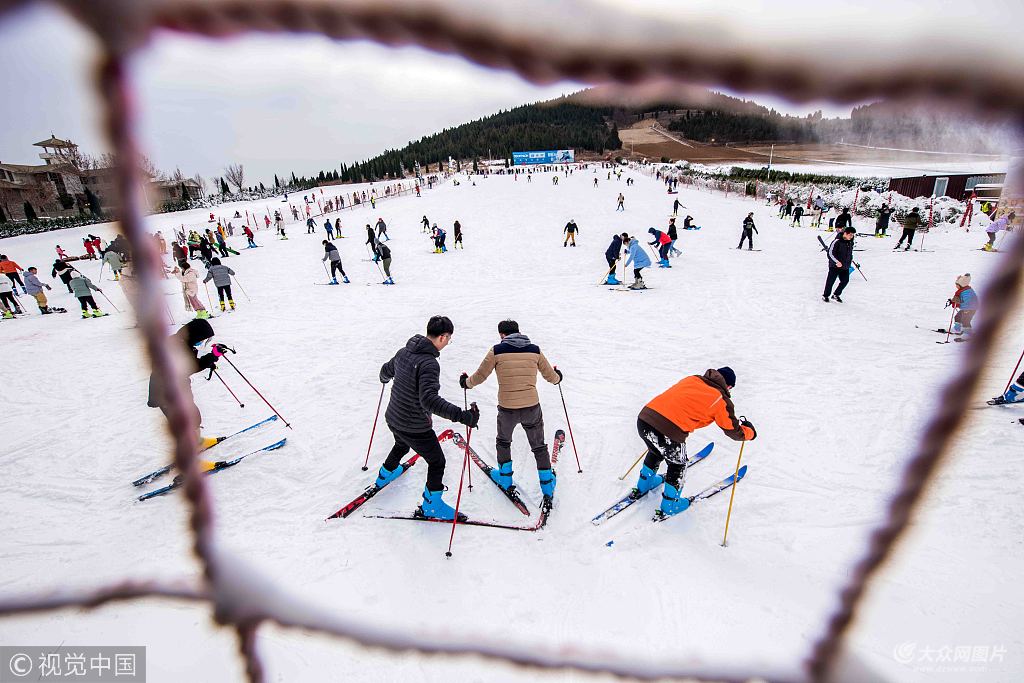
(275, 104)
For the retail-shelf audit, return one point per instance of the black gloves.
(462, 380)
(471, 417)
(747, 423)
(559, 373)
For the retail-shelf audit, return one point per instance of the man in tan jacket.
(517, 361)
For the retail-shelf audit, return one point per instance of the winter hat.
(728, 375)
(651, 230)
(964, 280)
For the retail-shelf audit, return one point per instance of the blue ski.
(633, 496)
(705, 494)
(218, 466)
(156, 474)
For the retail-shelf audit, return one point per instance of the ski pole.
(209, 298)
(633, 466)
(579, 467)
(246, 379)
(329, 278)
(1014, 375)
(465, 402)
(242, 288)
(374, 430)
(732, 496)
(373, 253)
(949, 328)
(109, 301)
(213, 371)
(458, 499)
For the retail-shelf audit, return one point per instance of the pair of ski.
(512, 494)
(217, 466)
(633, 496)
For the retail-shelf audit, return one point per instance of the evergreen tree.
(277, 183)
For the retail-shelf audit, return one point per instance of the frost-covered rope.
(131, 589)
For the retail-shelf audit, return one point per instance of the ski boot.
(648, 480)
(344, 278)
(85, 314)
(988, 247)
(97, 313)
(117, 276)
(231, 302)
(203, 315)
(638, 284)
(835, 297)
(385, 476)
(958, 329)
(612, 280)
(547, 483)
(502, 475)
(8, 315)
(671, 502)
(222, 307)
(334, 280)
(434, 507)
(1014, 394)
(207, 442)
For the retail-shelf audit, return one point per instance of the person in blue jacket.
(612, 254)
(638, 258)
(965, 303)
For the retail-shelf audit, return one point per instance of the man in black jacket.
(844, 220)
(414, 398)
(748, 231)
(840, 260)
(882, 221)
(910, 224)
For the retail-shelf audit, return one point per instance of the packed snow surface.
(839, 394)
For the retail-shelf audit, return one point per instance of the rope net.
(634, 49)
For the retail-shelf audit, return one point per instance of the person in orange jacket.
(665, 422)
(10, 269)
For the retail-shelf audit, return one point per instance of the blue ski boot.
(385, 477)
(334, 280)
(671, 502)
(345, 279)
(433, 507)
(1014, 394)
(649, 479)
(612, 280)
(547, 483)
(502, 475)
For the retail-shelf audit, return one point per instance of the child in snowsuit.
(90, 250)
(612, 254)
(748, 232)
(638, 258)
(965, 303)
(113, 259)
(82, 287)
(221, 276)
(662, 242)
(249, 236)
(34, 287)
(439, 236)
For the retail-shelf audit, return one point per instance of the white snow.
(838, 392)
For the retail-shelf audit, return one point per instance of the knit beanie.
(728, 375)
(964, 280)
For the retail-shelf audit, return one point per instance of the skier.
(798, 212)
(8, 300)
(385, 260)
(82, 287)
(669, 418)
(673, 235)
(310, 225)
(748, 232)
(458, 236)
(843, 220)
(61, 254)
(62, 270)
(90, 250)
(329, 228)
(1014, 393)
(516, 361)
(190, 288)
(638, 258)
(965, 302)
(222, 244)
(675, 207)
(840, 263)
(331, 252)
(621, 203)
(570, 233)
(995, 228)
(34, 287)
(595, 182)
(612, 254)
(819, 206)
(382, 230)
(112, 259)
(661, 242)
(10, 269)
(426, 224)
(192, 335)
(439, 237)
(221, 276)
(249, 236)
(371, 239)
(205, 250)
(417, 372)
(910, 225)
(337, 226)
(882, 220)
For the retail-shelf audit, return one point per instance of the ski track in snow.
(838, 392)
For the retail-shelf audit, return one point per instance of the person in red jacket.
(665, 422)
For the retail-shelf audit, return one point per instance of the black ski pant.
(9, 302)
(880, 229)
(663, 251)
(748, 234)
(908, 234)
(336, 268)
(222, 290)
(660, 447)
(16, 279)
(532, 420)
(841, 274)
(251, 242)
(424, 443)
(87, 301)
(223, 250)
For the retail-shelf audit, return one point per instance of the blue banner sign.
(551, 156)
